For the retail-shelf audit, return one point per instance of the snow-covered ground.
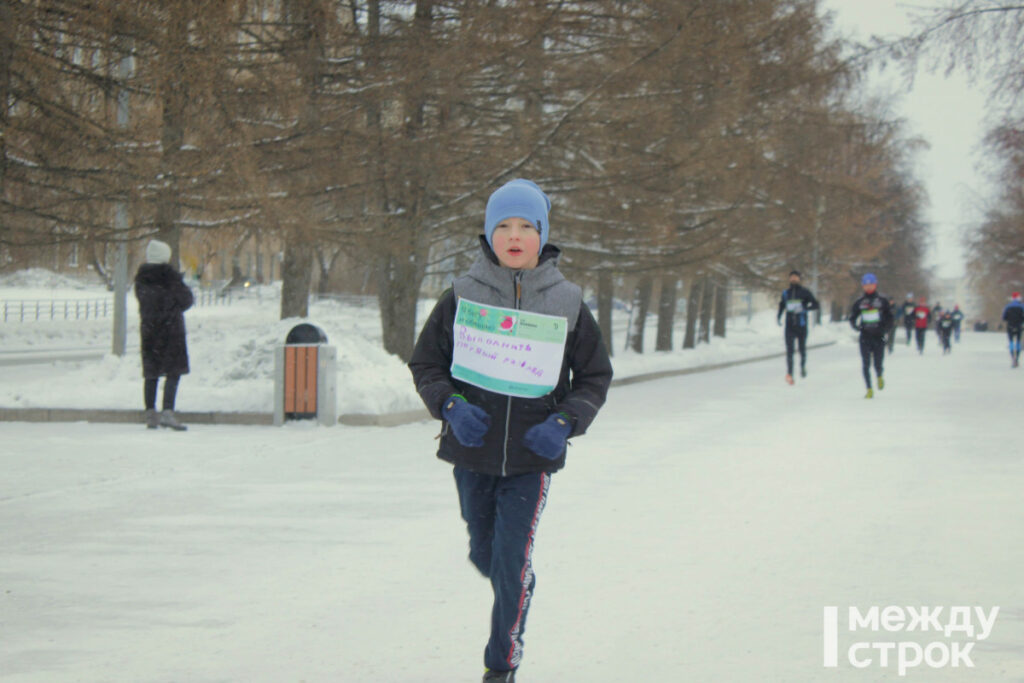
(231, 352)
(696, 534)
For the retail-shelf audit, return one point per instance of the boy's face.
(516, 244)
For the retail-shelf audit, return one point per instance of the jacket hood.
(488, 271)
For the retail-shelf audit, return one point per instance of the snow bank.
(41, 278)
(231, 350)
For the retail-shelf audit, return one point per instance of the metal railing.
(31, 310)
(212, 297)
(35, 310)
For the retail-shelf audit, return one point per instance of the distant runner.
(1013, 315)
(922, 316)
(946, 332)
(872, 317)
(908, 315)
(958, 318)
(796, 301)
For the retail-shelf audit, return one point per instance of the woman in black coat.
(163, 298)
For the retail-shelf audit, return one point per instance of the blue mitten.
(469, 423)
(548, 438)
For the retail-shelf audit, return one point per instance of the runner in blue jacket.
(871, 315)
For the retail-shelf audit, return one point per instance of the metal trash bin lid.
(306, 333)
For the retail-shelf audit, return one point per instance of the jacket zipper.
(518, 281)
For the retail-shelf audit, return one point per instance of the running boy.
(872, 316)
(512, 361)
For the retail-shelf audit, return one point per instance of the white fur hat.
(158, 252)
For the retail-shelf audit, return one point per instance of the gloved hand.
(469, 423)
(548, 438)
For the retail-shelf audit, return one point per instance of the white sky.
(948, 112)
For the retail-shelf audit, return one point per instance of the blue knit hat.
(869, 279)
(519, 198)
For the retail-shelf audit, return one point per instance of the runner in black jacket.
(796, 302)
(504, 441)
(872, 316)
(908, 315)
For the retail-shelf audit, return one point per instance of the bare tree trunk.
(100, 264)
(296, 273)
(666, 312)
(297, 268)
(173, 96)
(836, 312)
(692, 311)
(403, 260)
(641, 304)
(397, 294)
(721, 308)
(605, 297)
(325, 260)
(706, 300)
(237, 276)
(259, 258)
(6, 57)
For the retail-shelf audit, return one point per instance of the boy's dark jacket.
(163, 298)
(582, 385)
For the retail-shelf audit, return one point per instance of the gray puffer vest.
(582, 383)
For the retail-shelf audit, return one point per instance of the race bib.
(796, 306)
(922, 315)
(871, 316)
(507, 351)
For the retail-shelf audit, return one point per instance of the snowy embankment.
(231, 349)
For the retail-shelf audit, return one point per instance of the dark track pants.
(501, 514)
(1014, 333)
(872, 348)
(910, 332)
(795, 336)
(170, 392)
(920, 333)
